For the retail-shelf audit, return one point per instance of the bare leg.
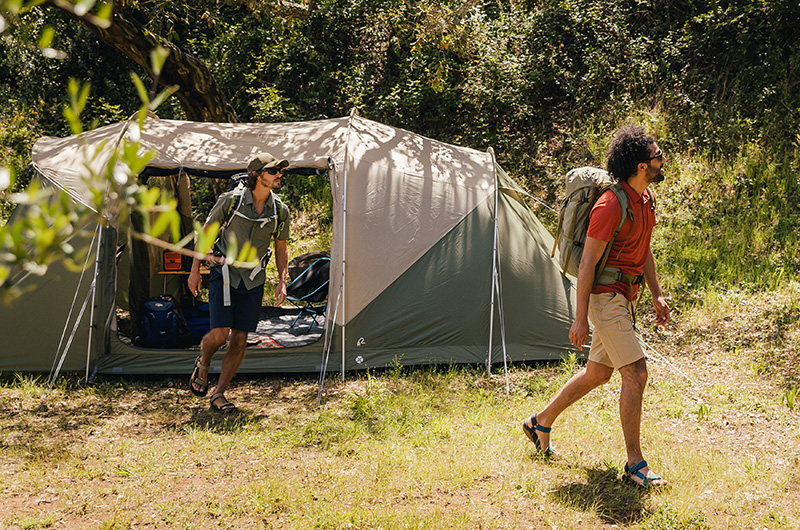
(233, 359)
(592, 376)
(634, 379)
(212, 341)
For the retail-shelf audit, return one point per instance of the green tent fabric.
(422, 233)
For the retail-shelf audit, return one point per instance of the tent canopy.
(405, 191)
(417, 226)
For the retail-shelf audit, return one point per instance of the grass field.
(435, 447)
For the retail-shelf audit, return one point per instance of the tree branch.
(199, 94)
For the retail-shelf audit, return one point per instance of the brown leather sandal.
(226, 408)
(194, 379)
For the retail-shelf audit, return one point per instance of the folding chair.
(309, 290)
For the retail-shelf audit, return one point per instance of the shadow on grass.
(612, 499)
(202, 418)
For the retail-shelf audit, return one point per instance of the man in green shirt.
(254, 214)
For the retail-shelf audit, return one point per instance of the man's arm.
(659, 303)
(593, 250)
(195, 280)
(282, 264)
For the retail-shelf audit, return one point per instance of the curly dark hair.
(628, 149)
(250, 180)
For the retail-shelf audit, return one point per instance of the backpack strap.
(233, 210)
(233, 207)
(279, 212)
(559, 225)
(277, 208)
(603, 275)
(609, 275)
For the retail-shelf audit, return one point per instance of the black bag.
(161, 324)
(236, 180)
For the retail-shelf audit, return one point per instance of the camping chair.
(309, 290)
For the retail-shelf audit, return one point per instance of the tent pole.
(329, 328)
(494, 273)
(92, 325)
(498, 282)
(58, 361)
(353, 113)
(491, 323)
(344, 262)
(326, 348)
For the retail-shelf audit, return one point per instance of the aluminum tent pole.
(58, 361)
(330, 323)
(344, 261)
(494, 272)
(92, 325)
(326, 349)
(346, 164)
(499, 282)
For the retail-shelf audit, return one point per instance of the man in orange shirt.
(635, 161)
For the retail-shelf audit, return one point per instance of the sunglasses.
(659, 155)
(271, 170)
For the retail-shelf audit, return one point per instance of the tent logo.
(361, 341)
(359, 359)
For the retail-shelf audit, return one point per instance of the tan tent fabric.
(175, 144)
(70, 162)
(425, 238)
(404, 192)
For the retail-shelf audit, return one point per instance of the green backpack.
(583, 187)
(238, 187)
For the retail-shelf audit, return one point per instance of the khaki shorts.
(615, 343)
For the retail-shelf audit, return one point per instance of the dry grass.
(424, 448)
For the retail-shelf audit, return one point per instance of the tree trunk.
(198, 92)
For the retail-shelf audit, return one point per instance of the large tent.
(435, 258)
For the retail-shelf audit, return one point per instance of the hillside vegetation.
(543, 83)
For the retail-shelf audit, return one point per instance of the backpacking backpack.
(583, 187)
(161, 324)
(237, 180)
(237, 184)
(233, 211)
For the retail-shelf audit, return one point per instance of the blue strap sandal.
(530, 432)
(647, 481)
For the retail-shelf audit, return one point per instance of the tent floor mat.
(274, 329)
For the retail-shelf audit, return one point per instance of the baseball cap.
(265, 161)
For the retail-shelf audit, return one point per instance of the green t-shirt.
(248, 225)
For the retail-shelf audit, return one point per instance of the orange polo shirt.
(631, 247)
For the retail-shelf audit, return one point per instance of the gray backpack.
(583, 187)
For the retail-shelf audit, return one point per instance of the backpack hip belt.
(611, 275)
